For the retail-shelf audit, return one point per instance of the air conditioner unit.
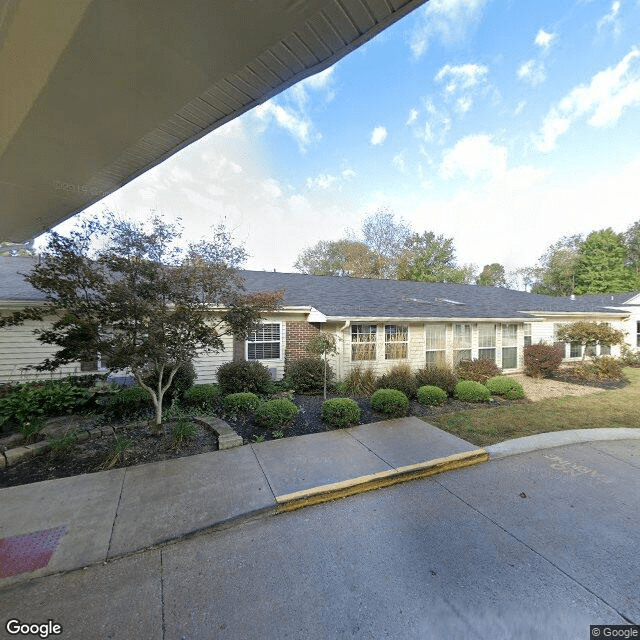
(273, 372)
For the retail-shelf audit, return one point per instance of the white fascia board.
(581, 314)
(316, 316)
(427, 319)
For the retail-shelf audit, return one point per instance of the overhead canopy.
(95, 92)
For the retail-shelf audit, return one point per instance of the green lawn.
(482, 426)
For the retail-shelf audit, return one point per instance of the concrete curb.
(559, 439)
(370, 482)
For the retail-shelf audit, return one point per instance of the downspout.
(340, 373)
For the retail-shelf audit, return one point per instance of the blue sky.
(502, 124)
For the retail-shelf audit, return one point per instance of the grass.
(614, 408)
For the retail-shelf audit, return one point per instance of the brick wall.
(298, 335)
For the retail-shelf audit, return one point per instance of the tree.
(556, 270)
(602, 264)
(589, 334)
(426, 257)
(492, 275)
(132, 295)
(632, 242)
(338, 258)
(386, 239)
(323, 344)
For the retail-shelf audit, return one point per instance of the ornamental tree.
(590, 334)
(142, 301)
(323, 344)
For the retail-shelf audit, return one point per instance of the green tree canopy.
(555, 274)
(492, 275)
(589, 334)
(632, 242)
(132, 294)
(602, 265)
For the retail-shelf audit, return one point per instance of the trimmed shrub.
(630, 358)
(129, 403)
(341, 412)
(307, 374)
(202, 396)
(431, 395)
(390, 401)
(240, 376)
(361, 381)
(183, 379)
(243, 402)
(505, 386)
(542, 360)
(401, 378)
(477, 370)
(471, 391)
(276, 413)
(439, 375)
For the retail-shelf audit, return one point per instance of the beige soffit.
(95, 92)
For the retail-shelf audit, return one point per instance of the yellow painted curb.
(336, 490)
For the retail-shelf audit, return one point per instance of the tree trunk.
(325, 377)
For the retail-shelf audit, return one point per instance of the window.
(487, 342)
(557, 326)
(605, 349)
(527, 333)
(363, 342)
(264, 342)
(436, 335)
(576, 350)
(509, 346)
(461, 342)
(396, 341)
(89, 365)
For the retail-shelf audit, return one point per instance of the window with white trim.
(637, 334)
(487, 342)
(461, 342)
(363, 342)
(436, 337)
(396, 341)
(509, 346)
(264, 342)
(527, 333)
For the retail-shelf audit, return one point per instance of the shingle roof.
(363, 298)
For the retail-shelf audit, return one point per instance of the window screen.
(264, 343)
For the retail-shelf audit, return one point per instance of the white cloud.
(464, 104)
(532, 72)
(444, 21)
(611, 19)
(378, 135)
(321, 181)
(519, 107)
(413, 116)
(399, 163)
(297, 124)
(544, 39)
(460, 77)
(271, 188)
(348, 173)
(474, 156)
(602, 101)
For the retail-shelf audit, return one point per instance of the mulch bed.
(96, 454)
(565, 375)
(93, 455)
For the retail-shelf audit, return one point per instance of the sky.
(500, 123)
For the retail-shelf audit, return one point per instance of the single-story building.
(377, 323)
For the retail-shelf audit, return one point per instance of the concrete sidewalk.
(65, 524)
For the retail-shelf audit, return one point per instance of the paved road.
(539, 545)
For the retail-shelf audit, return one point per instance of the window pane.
(605, 350)
(462, 336)
(486, 336)
(576, 350)
(509, 357)
(509, 335)
(396, 339)
(487, 354)
(264, 342)
(363, 351)
(461, 354)
(363, 342)
(436, 357)
(527, 340)
(436, 336)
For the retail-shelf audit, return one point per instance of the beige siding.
(19, 348)
(206, 364)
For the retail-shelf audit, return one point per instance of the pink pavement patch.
(28, 552)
